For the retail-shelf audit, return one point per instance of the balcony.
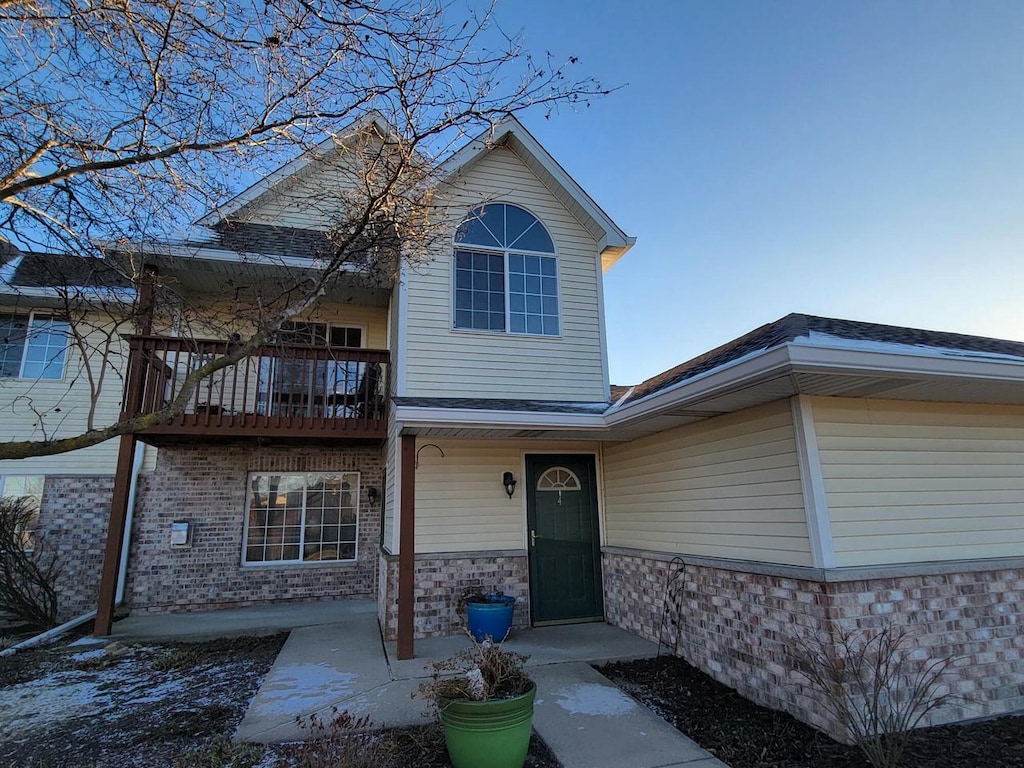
(281, 392)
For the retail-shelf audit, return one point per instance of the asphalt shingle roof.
(57, 270)
(794, 326)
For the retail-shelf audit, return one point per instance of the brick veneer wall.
(208, 486)
(743, 627)
(440, 579)
(73, 518)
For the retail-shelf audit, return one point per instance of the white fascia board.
(238, 257)
(614, 239)
(705, 385)
(414, 416)
(112, 295)
(832, 359)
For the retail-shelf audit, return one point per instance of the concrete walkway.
(586, 720)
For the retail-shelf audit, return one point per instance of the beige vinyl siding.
(310, 199)
(65, 408)
(725, 487)
(460, 503)
(498, 365)
(391, 479)
(914, 482)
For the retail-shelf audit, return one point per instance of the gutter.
(50, 634)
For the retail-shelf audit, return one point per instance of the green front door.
(564, 538)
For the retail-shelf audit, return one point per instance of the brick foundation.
(742, 628)
(73, 519)
(440, 580)
(208, 486)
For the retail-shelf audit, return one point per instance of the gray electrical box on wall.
(181, 533)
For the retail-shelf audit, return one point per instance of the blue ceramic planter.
(492, 618)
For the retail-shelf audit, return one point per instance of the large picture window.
(32, 346)
(302, 517)
(506, 274)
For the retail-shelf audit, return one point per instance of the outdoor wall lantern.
(372, 493)
(509, 481)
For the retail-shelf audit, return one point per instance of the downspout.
(53, 634)
(122, 571)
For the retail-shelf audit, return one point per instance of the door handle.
(533, 538)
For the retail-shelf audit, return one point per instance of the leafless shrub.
(28, 565)
(342, 742)
(875, 687)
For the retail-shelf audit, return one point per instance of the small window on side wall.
(33, 346)
(505, 273)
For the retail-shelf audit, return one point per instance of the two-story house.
(457, 427)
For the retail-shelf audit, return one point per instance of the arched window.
(558, 479)
(506, 275)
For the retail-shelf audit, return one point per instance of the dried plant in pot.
(484, 699)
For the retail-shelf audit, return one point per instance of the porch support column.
(115, 537)
(407, 548)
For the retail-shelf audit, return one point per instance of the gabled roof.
(612, 241)
(274, 180)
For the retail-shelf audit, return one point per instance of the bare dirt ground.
(174, 705)
(745, 735)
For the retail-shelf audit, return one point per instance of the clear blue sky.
(862, 160)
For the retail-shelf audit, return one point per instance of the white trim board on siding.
(819, 527)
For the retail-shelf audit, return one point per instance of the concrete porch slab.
(593, 643)
(232, 622)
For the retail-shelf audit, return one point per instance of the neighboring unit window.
(294, 518)
(32, 346)
(506, 276)
(29, 488)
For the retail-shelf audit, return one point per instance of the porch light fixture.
(509, 481)
(372, 493)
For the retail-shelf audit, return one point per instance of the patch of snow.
(300, 688)
(88, 640)
(594, 699)
(87, 655)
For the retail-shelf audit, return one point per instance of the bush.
(342, 742)
(28, 566)
(875, 689)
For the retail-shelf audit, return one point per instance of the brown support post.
(119, 502)
(115, 537)
(407, 548)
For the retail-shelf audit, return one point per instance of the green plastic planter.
(489, 734)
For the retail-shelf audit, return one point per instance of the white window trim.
(505, 253)
(299, 563)
(24, 348)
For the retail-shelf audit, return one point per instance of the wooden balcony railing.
(286, 391)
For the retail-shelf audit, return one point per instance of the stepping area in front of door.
(586, 720)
